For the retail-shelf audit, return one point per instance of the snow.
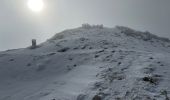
(77, 64)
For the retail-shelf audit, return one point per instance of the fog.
(18, 24)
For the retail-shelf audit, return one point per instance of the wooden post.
(34, 44)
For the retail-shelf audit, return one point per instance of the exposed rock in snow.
(89, 63)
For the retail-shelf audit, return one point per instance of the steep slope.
(114, 63)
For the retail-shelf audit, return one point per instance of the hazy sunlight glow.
(36, 5)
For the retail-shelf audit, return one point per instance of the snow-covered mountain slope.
(80, 64)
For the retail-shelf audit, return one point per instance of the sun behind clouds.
(36, 5)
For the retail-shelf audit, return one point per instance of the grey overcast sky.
(18, 24)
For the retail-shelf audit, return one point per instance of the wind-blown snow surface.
(113, 63)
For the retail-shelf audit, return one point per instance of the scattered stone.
(162, 65)
(100, 51)
(29, 64)
(113, 51)
(108, 56)
(110, 69)
(150, 79)
(71, 67)
(165, 93)
(64, 49)
(96, 97)
(75, 48)
(118, 98)
(70, 58)
(120, 78)
(116, 76)
(83, 39)
(84, 47)
(90, 48)
(119, 63)
(50, 54)
(157, 75)
(151, 58)
(75, 65)
(11, 60)
(96, 56)
(81, 97)
(158, 62)
(97, 84)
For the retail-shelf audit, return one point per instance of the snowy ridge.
(90, 61)
(146, 36)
